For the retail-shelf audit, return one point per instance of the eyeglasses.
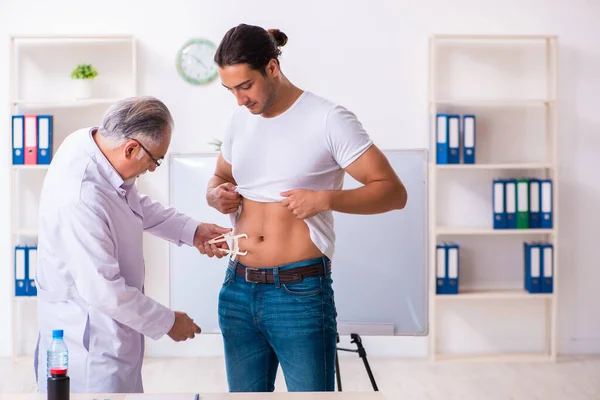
(157, 162)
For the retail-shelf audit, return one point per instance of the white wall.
(370, 57)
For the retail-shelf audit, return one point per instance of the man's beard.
(269, 100)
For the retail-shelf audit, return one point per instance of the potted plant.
(216, 143)
(83, 75)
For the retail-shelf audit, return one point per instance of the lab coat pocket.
(86, 335)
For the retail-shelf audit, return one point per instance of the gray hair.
(136, 117)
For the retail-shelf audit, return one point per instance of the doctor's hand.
(305, 203)
(183, 328)
(206, 232)
(224, 198)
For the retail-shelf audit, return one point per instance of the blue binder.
(453, 139)
(442, 138)
(546, 203)
(547, 280)
(45, 128)
(452, 256)
(20, 271)
(499, 204)
(534, 204)
(469, 139)
(532, 260)
(18, 139)
(31, 268)
(510, 201)
(441, 267)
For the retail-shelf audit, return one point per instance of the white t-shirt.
(305, 147)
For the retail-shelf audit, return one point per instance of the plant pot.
(83, 88)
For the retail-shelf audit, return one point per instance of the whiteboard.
(379, 269)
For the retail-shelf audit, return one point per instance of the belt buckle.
(263, 275)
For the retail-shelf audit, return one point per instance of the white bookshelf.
(29, 167)
(64, 103)
(40, 83)
(509, 82)
(495, 294)
(460, 231)
(494, 103)
(499, 166)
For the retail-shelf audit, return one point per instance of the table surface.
(209, 396)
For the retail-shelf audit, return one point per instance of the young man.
(280, 176)
(90, 273)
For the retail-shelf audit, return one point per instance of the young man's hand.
(224, 198)
(305, 203)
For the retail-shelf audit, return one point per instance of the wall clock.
(195, 61)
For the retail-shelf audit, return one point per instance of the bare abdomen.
(275, 235)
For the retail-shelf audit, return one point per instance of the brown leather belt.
(265, 275)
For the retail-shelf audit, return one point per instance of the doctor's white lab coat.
(90, 273)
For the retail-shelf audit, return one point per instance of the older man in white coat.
(90, 273)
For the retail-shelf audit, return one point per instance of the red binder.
(31, 147)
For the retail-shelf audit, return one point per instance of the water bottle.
(57, 355)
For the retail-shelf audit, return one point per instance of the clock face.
(195, 61)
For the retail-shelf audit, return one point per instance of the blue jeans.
(267, 324)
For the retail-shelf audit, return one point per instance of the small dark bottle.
(58, 384)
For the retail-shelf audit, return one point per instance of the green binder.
(522, 203)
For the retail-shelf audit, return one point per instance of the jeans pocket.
(227, 278)
(307, 287)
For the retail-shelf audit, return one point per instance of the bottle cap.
(57, 334)
(58, 371)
